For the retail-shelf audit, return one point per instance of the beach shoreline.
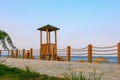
(58, 68)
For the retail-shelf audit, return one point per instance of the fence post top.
(118, 43)
(31, 48)
(68, 46)
(89, 44)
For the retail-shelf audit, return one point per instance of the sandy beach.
(58, 68)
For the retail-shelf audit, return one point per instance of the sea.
(111, 59)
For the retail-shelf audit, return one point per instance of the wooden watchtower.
(47, 48)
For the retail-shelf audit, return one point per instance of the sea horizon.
(110, 58)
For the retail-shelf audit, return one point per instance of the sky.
(81, 22)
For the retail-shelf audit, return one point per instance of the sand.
(58, 68)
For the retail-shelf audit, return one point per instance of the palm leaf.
(4, 37)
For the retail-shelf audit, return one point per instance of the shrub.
(72, 75)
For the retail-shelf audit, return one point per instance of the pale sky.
(81, 22)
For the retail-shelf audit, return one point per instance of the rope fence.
(105, 47)
(90, 50)
(94, 50)
(61, 50)
(105, 50)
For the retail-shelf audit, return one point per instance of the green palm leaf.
(4, 37)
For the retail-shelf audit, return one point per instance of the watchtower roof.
(49, 27)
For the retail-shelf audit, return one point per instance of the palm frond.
(4, 45)
(9, 40)
(5, 37)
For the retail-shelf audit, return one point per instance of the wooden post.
(11, 53)
(118, 53)
(40, 44)
(47, 40)
(49, 47)
(41, 53)
(31, 53)
(27, 54)
(89, 53)
(53, 53)
(68, 53)
(23, 53)
(19, 55)
(16, 53)
(56, 43)
(47, 36)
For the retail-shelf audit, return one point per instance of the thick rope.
(105, 50)
(105, 47)
(78, 53)
(104, 54)
(80, 49)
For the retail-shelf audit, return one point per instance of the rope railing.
(90, 51)
(61, 50)
(79, 50)
(105, 47)
(105, 50)
(93, 50)
(78, 53)
(104, 54)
